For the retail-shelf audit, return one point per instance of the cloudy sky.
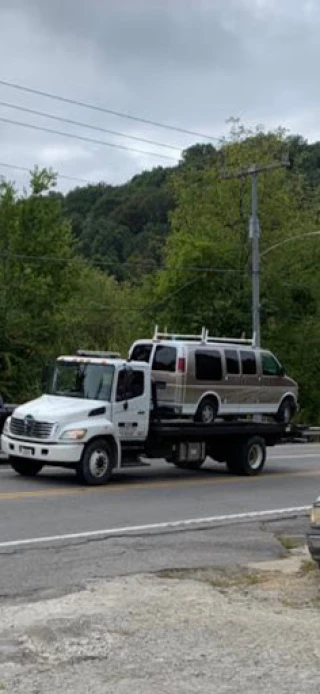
(187, 63)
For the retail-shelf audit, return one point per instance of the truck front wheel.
(97, 462)
(248, 457)
(26, 468)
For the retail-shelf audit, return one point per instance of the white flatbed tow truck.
(99, 413)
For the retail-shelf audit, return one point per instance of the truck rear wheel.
(97, 462)
(24, 467)
(248, 457)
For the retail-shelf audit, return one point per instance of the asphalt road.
(54, 505)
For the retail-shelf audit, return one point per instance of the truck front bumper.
(45, 453)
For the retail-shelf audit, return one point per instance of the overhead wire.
(80, 124)
(25, 169)
(125, 264)
(102, 109)
(83, 138)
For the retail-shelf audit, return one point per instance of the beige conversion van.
(206, 377)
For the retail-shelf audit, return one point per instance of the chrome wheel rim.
(208, 414)
(98, 463)
(255, 457)
(287, 414)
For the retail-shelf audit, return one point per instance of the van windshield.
(141, 353)
(79, 380)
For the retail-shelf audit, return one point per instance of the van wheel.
(207, 411)
(286, 411)
(96, 464)
(248, 457)
(25, 468)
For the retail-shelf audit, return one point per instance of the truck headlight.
(73, 434)
(315, 515)
(6, 426)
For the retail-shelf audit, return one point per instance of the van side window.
(232, 362)
(248, 361)
(208, 366)
(270, 366)
(141, 353)
(164, 359)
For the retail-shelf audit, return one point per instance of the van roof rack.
(98, 355)
(203, 338)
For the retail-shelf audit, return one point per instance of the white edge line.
(127, 530)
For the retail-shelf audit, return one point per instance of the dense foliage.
(101, 265)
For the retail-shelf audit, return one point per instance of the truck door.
(130, 411)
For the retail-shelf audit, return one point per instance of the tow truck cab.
(88, 396)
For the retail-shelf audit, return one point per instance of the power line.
(101, 109)
(29, 170)
(98, 263)
(31, 126)
(61, 119)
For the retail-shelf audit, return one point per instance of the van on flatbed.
(207, 377)
(100, 413)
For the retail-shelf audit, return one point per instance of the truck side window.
(249, 366)
(130, 385)
(208, 366)
(165, 359)
(232, 362)
(135, 386)
(270, 366)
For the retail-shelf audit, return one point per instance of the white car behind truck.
(99, 412)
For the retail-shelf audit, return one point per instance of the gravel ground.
(175, 632)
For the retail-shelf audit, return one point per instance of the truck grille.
(30, 428)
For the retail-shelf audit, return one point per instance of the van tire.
(97, 462)
(286, 411)
(24, 467)
(247, 457)
(207, 410)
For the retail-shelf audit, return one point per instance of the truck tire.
(207, 410)
(248, 457)
(97, 462)
(25, 467)
(286, 411)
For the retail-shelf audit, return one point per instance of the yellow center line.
(125, 488)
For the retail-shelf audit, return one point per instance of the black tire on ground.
(286, 411)
(97, 462)
(248, 457)
(25, 467)
(207, 411)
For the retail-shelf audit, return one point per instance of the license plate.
(27, 452)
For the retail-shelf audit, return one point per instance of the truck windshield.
(79, 380)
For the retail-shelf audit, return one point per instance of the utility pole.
(254, 235)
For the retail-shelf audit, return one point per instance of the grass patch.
(307, 566)
(214, 579)
(290, 542)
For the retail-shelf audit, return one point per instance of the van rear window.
(141, 353)
(164, 359)
(208, 366)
